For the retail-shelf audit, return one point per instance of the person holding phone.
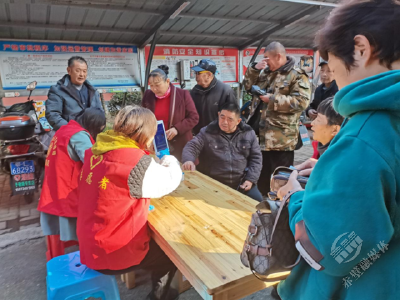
(117, 181)
(173, 106)
(346, 220)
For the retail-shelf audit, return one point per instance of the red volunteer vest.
(112, 226)
(59, 194)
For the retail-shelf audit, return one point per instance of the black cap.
(322, 62)
(205, 65)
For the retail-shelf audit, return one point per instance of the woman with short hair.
(117, 181)
(173, 106)
(347, 220)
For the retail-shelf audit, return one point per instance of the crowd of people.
(98, 183)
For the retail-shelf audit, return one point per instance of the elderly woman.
(58, 202)
(173, 106)
(117, 181)
(347, 221)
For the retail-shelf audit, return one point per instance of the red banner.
(226, 59)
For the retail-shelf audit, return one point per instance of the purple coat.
(182, 115)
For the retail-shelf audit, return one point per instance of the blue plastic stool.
(68, 279)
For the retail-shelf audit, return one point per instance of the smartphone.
(160, 141)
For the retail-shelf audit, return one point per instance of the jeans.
(162, 272)
(253, 193)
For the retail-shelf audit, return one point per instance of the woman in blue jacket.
(347, 221)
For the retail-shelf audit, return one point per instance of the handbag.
(269, 249)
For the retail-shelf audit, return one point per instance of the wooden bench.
(202, 227)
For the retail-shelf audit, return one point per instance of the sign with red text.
(296, 53)
(46, 63)
(226, 60)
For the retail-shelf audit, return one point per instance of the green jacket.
(279, 124)
(354, 190)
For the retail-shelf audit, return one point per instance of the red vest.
(59, 194)
(112, 225)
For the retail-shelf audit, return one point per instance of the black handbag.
(269, 249)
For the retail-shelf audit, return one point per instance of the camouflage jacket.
(279, 123)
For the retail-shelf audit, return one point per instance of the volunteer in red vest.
(118, 178)
(59, 197)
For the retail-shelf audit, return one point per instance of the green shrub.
(117, 101)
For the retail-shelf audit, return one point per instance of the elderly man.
(209, 94)
(231, 151)
(327, 89)
(72, 94)
(275, 115)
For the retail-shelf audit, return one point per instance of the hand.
(189, 166)
(246, 186)
(168, 160)
(312, 113)
(265, 98)
(306, 167)
(171, 133)
(291, 185)
(261, 65)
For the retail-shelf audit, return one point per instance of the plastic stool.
(315, 148)
(55, 247)
(68, 279)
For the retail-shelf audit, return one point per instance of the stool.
(68, 279)
(315, 148)
(56, 247)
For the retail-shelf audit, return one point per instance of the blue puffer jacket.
(63, 103)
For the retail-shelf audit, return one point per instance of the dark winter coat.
(182, 115)
(209, 101)
(321, 94)
(64, 103)
(226, 159)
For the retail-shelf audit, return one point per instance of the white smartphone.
(160, 141)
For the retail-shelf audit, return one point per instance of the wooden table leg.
(129, 279)
(180, 282)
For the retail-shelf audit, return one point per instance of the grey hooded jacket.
(63, 103)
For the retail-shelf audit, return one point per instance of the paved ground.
(23, 259)
(23, 276)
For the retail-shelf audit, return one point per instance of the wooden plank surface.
(202, 226)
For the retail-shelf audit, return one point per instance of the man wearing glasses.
(209, 94)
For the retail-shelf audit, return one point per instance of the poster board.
(226, 59)
(46, 63)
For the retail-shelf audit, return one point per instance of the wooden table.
(201, 227)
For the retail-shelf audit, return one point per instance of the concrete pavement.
(23, 275)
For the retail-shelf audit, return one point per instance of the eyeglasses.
(201, 72)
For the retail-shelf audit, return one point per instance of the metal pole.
(150, 59)
(258, 49)
(251, 61)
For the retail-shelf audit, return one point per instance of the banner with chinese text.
(46, 63)
(226, 60)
